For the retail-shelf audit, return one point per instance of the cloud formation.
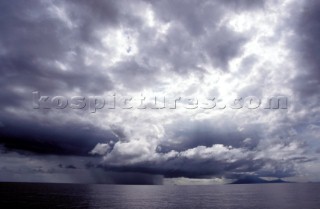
(196, 49)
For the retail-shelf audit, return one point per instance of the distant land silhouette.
(257, 180)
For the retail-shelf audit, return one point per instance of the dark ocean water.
(258, 196)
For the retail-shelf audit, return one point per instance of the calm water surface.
(258, 196)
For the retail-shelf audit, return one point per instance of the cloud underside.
(226, 49)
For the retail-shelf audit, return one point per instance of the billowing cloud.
(215, 51)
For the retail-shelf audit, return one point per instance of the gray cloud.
(305, 46)
(177, 48)
(55, 138)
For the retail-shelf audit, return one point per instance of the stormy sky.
(222, 49)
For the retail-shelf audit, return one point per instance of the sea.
(243, 196)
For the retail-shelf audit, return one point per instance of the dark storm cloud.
(52, 138)
(306, 47)
(207, 168)
(33, 39)
(57, 48)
